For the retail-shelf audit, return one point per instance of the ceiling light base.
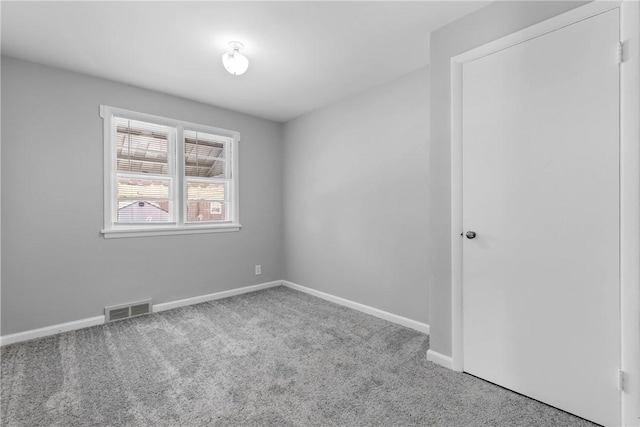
(237, 46)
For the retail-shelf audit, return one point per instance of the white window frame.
(112, 229)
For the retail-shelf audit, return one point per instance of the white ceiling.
(303, 55)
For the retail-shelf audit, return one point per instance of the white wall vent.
(125, 311)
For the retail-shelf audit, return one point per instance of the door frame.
(629, 186)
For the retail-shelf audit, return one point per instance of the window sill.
(117, 233)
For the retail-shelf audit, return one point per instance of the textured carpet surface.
(276, 357)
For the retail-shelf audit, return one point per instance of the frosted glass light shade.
(235, 62)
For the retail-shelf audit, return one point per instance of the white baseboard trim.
(51, 330)
(214, 296)
(440, 359)
(394, 318)
(99, 320)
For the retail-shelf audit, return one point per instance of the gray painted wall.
(366, 213)
(356, 202)
(496, 20)
(56, 266)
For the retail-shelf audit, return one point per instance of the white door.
(540, 135)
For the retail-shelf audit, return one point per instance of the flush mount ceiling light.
(233, 61)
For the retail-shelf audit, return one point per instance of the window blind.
(207, 176)
(144, 173)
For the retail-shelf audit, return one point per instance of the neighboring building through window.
(165, 176)
(216, 208)
(143, 211)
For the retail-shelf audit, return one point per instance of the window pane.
(206, 211)
(204, 154)
(144, 200)
(141, 147)
(206, 201)
(138, 211)
(206, 191)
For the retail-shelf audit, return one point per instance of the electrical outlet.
(258, 270)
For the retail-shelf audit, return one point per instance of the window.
(165, 176)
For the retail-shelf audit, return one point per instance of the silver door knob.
(471, 234)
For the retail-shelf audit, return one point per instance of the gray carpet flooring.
(276, 357)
